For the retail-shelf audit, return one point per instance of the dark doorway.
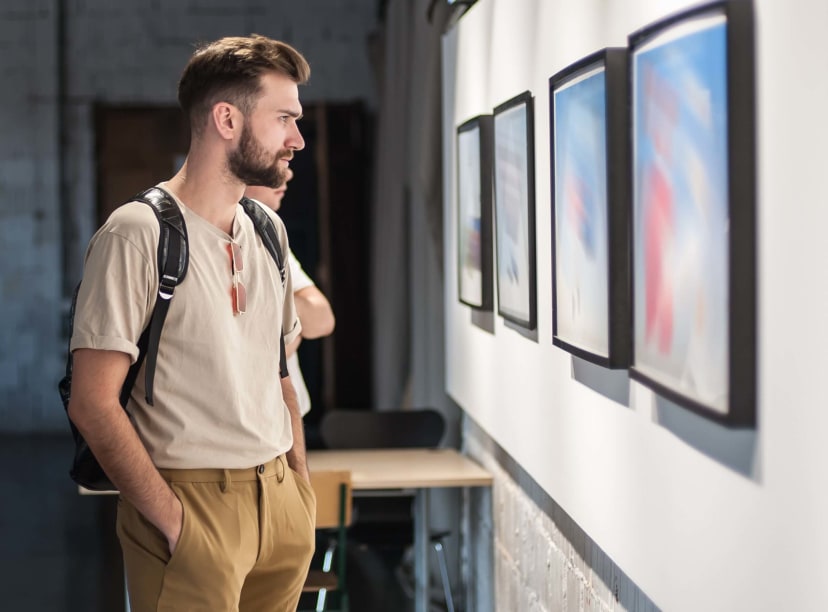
(136, 147)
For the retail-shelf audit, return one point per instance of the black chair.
(344, 429)
(388, 519)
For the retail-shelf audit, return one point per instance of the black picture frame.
(475, 278)
(514, 203)
(692, 94)
(590, 188)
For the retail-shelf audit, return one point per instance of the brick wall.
(523, 553)
(30, 296)
(126, 52)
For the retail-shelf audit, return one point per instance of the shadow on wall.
(612, 384)
(529, 334)
(484, 320)
(736, 449)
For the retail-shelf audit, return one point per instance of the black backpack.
(173, 258)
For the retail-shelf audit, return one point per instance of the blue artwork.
(581, 232)
(469, 221)
(680, 210)
(515, 242)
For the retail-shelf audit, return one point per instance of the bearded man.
(216, 510)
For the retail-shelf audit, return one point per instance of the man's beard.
(252, 165)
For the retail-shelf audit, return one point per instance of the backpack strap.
(65, 384)
(173, 260)
(267, 231)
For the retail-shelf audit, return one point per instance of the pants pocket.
(139, 535)
(184, 537)
(202, 575)
(306, 494)
(194, 574)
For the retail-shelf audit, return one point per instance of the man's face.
(269, 135)
(253, 165)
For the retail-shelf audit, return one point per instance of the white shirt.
(300, 281)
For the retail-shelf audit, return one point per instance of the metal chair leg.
(327, 562)
(441, 560)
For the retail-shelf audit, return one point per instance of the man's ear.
(226, 119)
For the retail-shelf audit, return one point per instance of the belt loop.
(280, 469)
(227, 482)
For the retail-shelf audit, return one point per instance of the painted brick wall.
(30, 296)
(541, 561)
(125, 52)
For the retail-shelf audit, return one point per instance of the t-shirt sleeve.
(119, 283)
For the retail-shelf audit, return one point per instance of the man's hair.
(228, 70)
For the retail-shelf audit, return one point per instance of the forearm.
(296, 456)
(96, 412)
(122, 455)
(315, 313)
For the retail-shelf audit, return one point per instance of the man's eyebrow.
(292, 113)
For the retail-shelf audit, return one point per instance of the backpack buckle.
(166, 286)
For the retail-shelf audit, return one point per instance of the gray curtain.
(407, 212)
(408, 327)
(389, 235)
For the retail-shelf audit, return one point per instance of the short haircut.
(228, 70)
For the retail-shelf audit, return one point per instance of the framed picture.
(474, 212)
(589, 145)
(514, 183)
(693, 229)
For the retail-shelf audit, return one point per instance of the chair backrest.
(352, 429)
(333, 512)
(333, 498)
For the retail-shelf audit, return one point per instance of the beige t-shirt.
(217, 393)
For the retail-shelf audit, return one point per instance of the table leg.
(421, 529)
(126, 595)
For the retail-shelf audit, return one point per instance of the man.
(216, 511)
(313, 307)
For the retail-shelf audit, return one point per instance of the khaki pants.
(245, 545)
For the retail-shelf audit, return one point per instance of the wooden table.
(417, 469)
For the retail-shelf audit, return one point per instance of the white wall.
(699, 516)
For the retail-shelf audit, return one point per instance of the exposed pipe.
(67, 226)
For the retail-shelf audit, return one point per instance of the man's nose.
(295, 141)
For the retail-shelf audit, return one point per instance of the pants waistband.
(274, 467)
